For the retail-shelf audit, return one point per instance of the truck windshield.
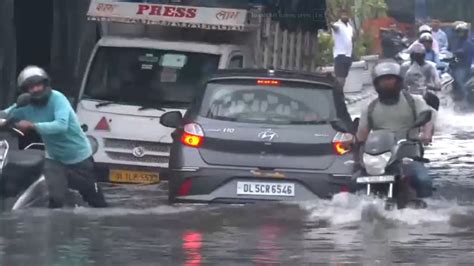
(148, 77)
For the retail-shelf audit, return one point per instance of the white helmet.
(32, 75)
(424, 28)
(462, 26)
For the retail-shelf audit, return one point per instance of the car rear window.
(275, 103)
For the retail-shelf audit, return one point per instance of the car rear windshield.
(153, 77)
(285, 103)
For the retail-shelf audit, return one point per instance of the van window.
(147, 77)
(236, 62)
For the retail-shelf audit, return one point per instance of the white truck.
(154, 58)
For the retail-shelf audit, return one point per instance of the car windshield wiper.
(145, 107)
(101, 104)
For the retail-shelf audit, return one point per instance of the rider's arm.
(436, 79)
(14, 113)
(61, 118)
(363, 129)
(422, 106)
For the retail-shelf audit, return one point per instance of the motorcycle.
(22, 183)
(383, 162)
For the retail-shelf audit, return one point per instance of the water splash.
(348, 210)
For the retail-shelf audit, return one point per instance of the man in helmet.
(430, 55)
(396, 110)
(462, 49)
(69, 160)
(420, 74)
(426, 29)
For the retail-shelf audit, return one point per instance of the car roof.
(320, 77)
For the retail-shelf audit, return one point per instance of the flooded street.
(142, 230)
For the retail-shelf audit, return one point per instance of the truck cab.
(133, 79)
(129, 84)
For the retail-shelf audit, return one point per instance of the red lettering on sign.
(180, 12)
(169, 11)
(142, 8)
(191, 13)
(155, 11)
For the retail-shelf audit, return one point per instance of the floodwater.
(141, 229)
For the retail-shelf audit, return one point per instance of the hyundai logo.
(267, 135)
(138, 152)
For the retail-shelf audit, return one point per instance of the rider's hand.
(425, 138)
(24, 125)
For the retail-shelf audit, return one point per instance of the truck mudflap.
(143, 12)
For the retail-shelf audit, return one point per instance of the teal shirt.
(58, 126)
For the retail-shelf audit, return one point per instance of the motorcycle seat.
(22, 169)
(26, 159)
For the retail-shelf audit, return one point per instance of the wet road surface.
(141, 229)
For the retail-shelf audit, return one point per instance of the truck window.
(137, 76)
(236, 61)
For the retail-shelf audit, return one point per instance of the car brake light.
(268, 82)
(342, 143)
(184, 188)
(102, 125)
(192, 135)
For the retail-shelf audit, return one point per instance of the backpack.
(408, 97)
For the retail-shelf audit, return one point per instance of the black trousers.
(79, 176)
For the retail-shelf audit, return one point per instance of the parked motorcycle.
(22, 183)
(384, 158)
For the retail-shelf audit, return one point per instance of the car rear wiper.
(151, 107)
(101, 104)
(322, 122)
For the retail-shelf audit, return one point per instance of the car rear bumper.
(220, 185)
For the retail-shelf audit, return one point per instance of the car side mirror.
(171, 119)
(422, 119)
(340, 126)
(23, 100)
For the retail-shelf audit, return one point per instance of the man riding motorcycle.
(462, 49)
(396, 110)
(420, 74)
(426, 39)
(69, 160)
(422, 30)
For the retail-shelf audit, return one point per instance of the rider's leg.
(81, 177)
(460, 75)
(420, 179)
(56, 179)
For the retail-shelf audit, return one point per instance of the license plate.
(266, 189)
(134, 177)
(375, 179)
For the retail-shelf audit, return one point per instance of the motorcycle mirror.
(422, 119)
(23, 100)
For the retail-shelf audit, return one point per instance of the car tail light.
(192, 135)
(268, 82)
(103, 124)
(184, 188)
(343, 188)
(342, 143)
